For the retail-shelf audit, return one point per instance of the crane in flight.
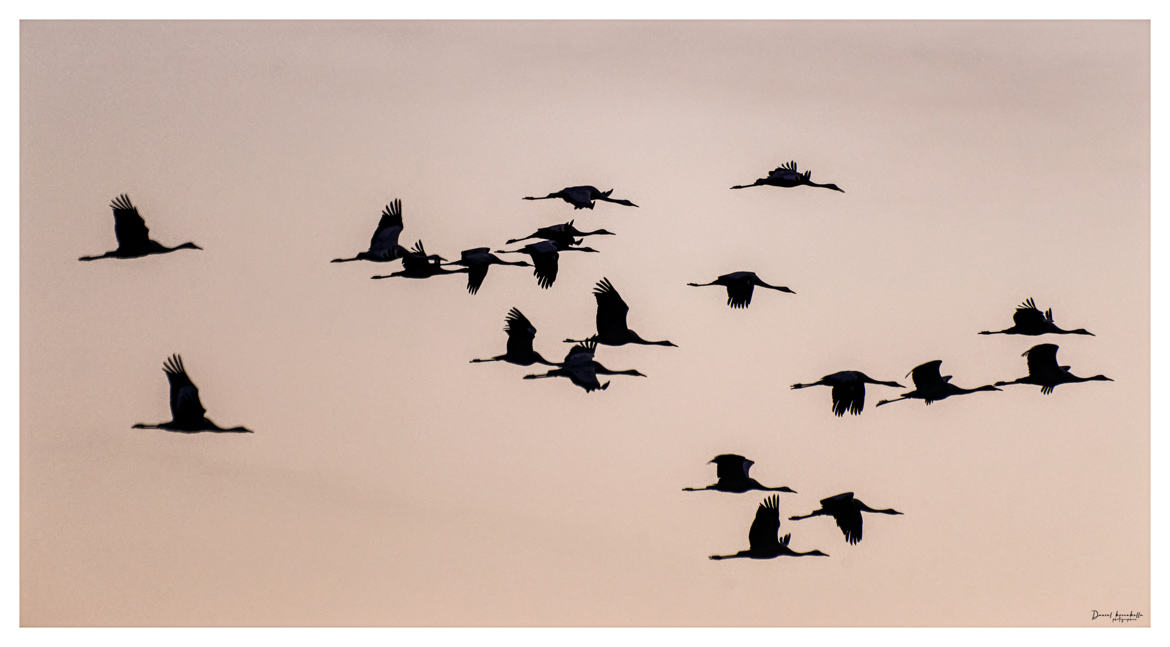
(846, 510)
(848, 390)
(1043, 370)
(384, 245)
(787, 176)
(582, 370)
(1028, 320)
(731, 470)
(583, 197)
(186, 409)
(740, 286)
(520, 333)
(931, 386)
(477, 261)
(762, 536)
(611, 320)
(133, 236)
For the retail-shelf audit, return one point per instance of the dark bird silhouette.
(611, 319)
(583, 197)
(846, 510)
(848, 390)
(132, 234)
(186, 409)
(477, 261)
(521, 332)
(417, 264)
(564, 234)
(740, 286)
(762, 535)
(580, 367)
(931, 386)
(731, 470)
(1030, 321)
(384, 245)
(1043, 371)
(545, 257)
(787, 176)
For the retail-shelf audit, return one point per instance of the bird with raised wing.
(545, 257)
(564, 234)
(1043, 370)
(418, 264)
(1028, 320)
(762, 536)
(740, 286)
(846, 511)
(186, 409)
(520, 332)
(580, 367)
(583, 197)
(133, 235)
(931, 386)
(477, 261)
(384, 245)
(787, 176)
(848, 390)
(611, 320)
(731, 472)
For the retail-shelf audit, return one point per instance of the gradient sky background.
(392, 483)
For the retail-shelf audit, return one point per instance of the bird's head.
(188, 246)
(833, 187)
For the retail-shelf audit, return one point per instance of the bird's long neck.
(742, 553)
(996, 332)
(814, 513)
(187, 245)
(758, 182)
(638, 340)
(547, 197)
(698, 489)
(881, 402)
(94, 258)
(824, 186)
(985, 387)
(497, 358)
(883, 383)
(866, 508)
(146, 425)
(702, 285)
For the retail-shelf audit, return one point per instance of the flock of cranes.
(583, 370)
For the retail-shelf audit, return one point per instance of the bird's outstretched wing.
(1027, 315)
(732, 466)
(185, 404)
(385, 238)
(545, 265)
(517, 325)
(926, 374)
(739, 294)
(766, 526)
(611, 309)
(849, 521)
(1042, 359)
(848, 396)
(476, 273)
(129, 227)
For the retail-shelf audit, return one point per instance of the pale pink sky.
(392, 483)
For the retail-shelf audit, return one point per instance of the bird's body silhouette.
(846, 511)
(186, 409)
(477, 261)
(520, 332)
(762, 537)
(384, 245)
(1045, 372)
(133, 236)
(545, 257)
(848, 390)
(788, 176)
(731, 470)
(582, 197)
(417, 264)
(1028, 320)
(931, 386)
(564, 234)
(580, 367)
(611, 319)
(740, 286)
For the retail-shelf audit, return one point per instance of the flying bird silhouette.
(1028, 320)
(762, 535)
(583, 197)
(787, 176)
(520, 332)
(545, 257)
(477, 261)
(740, 286)
(564, 234)
(132, 234)
(846, 510)
(848, 390)
(611, 319)
(931, 386)
(580, 367)
(1044, 372)
(417, 264)
(384, 245)
(186, 409)
(731, 470)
